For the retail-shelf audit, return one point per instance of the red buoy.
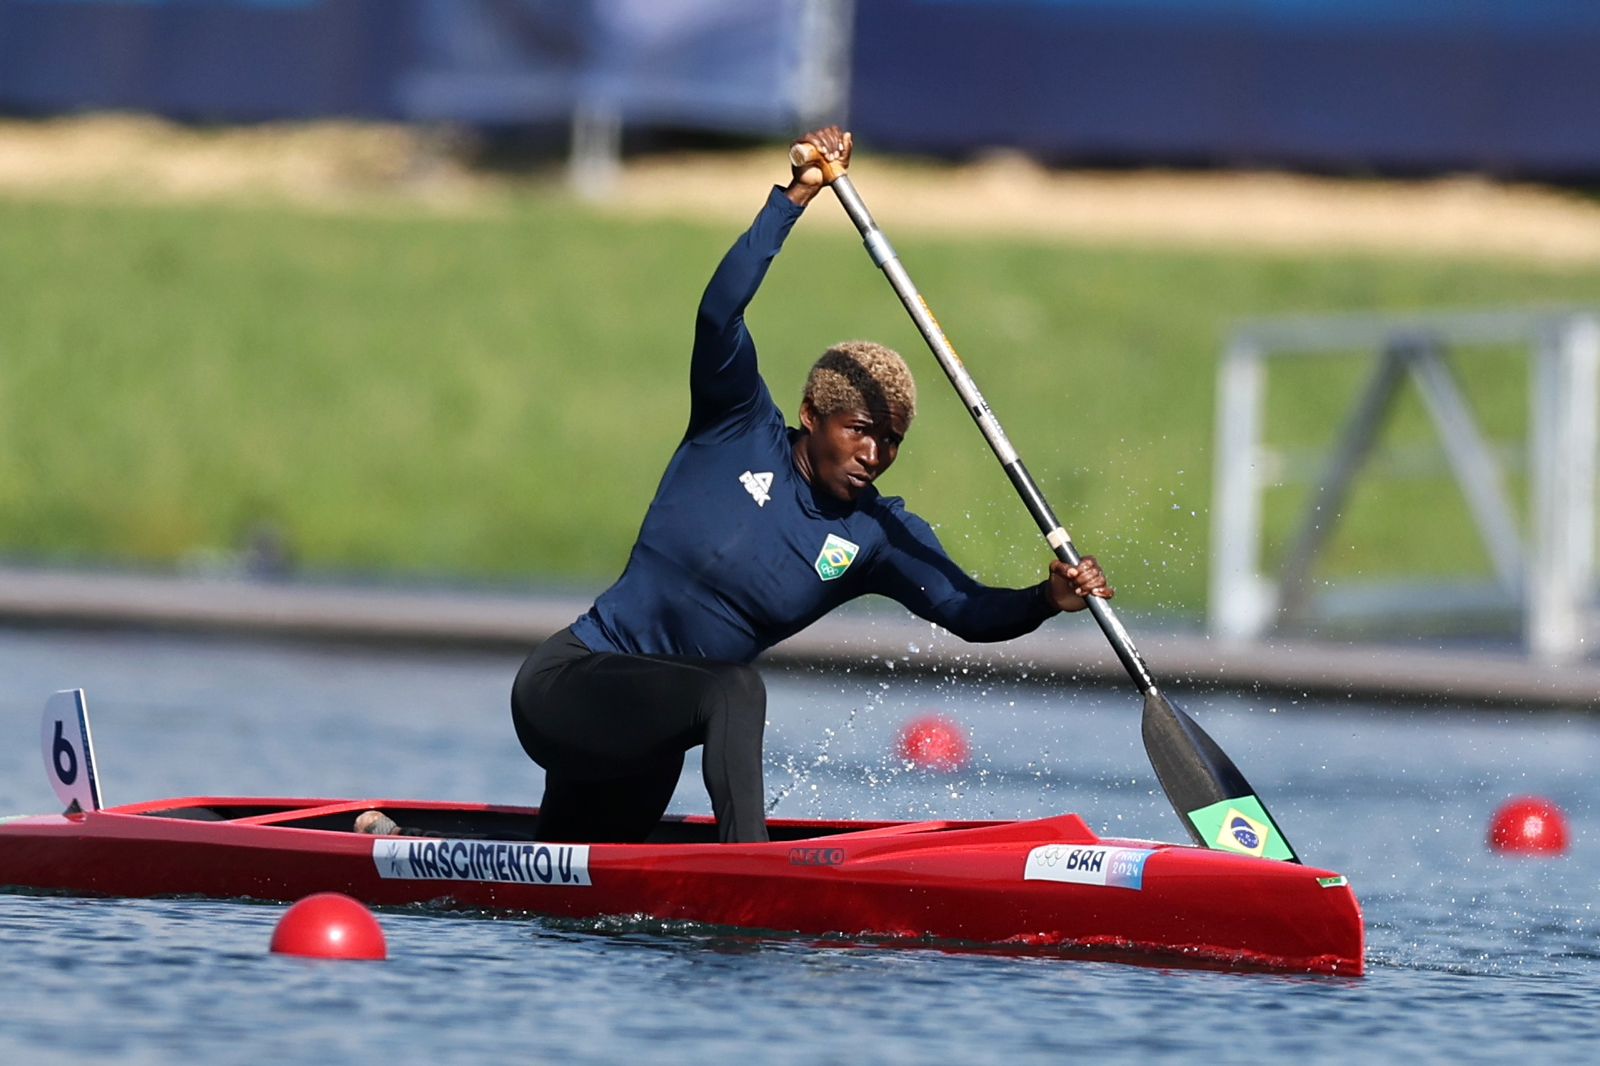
(329, 925)
(934, 742)
(1529, 825)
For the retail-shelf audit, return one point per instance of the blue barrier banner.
(206, 60)
(719, 64)
(492, 62)
(1499, 85)
(1484, 14)
(722, 64)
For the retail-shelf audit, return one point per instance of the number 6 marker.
(69, 751)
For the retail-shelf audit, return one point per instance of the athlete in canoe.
(756, 531)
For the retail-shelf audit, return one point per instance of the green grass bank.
(495, 397)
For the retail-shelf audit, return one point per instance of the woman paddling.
(756, 531)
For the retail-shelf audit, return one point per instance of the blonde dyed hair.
(861, 375)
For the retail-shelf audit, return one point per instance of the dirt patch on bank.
(324, 165)
(344, 167)
(1465, 216)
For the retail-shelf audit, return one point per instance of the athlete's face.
(844, 452)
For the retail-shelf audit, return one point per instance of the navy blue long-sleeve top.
(738, 550)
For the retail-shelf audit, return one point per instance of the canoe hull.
(1050, 883)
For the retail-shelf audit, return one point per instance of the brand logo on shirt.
(835, 557)
(759, 486)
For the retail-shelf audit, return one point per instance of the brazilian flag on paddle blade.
(1241, 825)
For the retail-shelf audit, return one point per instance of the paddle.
(1216, 804)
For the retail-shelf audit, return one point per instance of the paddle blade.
(1216, 803)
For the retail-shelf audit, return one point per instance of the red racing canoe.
(1045, 884)
(1050, 883)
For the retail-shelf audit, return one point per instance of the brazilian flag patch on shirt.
(835, 557)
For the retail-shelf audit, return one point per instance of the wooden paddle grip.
(804, 153)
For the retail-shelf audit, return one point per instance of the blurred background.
(1288, 304)
(366, 323)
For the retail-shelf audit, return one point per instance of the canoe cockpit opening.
(500, 824)
(215, 813)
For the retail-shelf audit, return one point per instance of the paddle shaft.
(1217, 805)
(1054, 534)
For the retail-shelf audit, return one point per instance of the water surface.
(1472, 956)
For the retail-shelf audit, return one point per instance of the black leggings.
(610, 731)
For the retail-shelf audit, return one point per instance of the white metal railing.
(1549, 572)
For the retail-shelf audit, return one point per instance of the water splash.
(800, 770)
